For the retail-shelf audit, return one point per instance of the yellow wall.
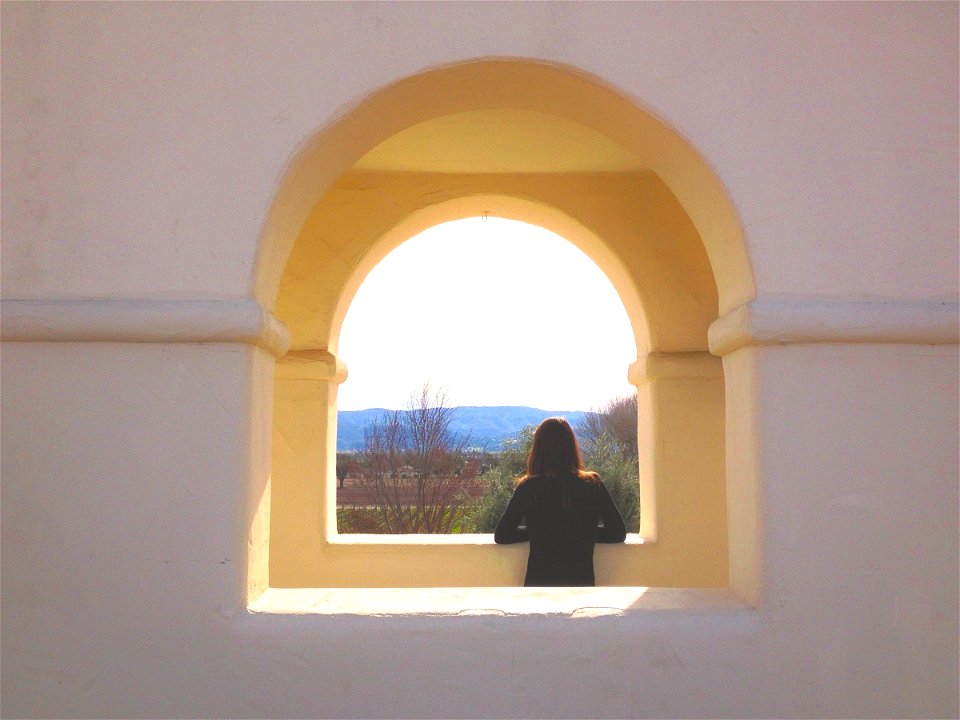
(630, 224)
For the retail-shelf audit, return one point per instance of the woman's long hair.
(555, 452)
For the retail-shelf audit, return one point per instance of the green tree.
(500, 479)
(608, 440)
(619, 470)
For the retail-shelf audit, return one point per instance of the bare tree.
(621, 421)
(415, 460)
(590, 429)
(346, 465)
(617, 419)
(383, 449)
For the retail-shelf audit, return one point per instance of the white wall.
(142, 144)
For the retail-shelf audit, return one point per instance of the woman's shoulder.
(585, 476)
(591, 477)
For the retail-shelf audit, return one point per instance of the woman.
(562, 504)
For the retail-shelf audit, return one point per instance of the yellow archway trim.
(337, 224)
(507, 83)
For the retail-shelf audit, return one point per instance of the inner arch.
(560, 92)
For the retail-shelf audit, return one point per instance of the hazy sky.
(495, 311)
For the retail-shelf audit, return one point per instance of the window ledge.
(497, 601)
(452, 539)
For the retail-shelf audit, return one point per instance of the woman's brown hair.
(555, 452)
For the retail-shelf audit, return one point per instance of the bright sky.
(495, 311)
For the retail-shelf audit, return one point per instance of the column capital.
(311, 364)
(663, 365)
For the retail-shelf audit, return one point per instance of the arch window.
(542, 145)
(494, 315)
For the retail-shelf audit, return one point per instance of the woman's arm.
(507, 529)
(613, 530)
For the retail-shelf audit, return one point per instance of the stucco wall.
(143, 145)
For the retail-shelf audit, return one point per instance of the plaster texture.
(160, 165)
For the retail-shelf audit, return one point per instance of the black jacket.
(562, 516)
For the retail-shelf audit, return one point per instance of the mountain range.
(486, 427)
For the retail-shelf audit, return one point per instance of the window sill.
(500, 601)
(454, 539)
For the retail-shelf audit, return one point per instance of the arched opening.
(503, 322)
(605, 175)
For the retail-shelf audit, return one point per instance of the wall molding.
(674, 365)
(129, 320)
(795, 320)
(764, 321)
(316, 364)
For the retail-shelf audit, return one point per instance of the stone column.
(303, 512)
(680, 399)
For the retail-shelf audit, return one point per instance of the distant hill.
(487, 427)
